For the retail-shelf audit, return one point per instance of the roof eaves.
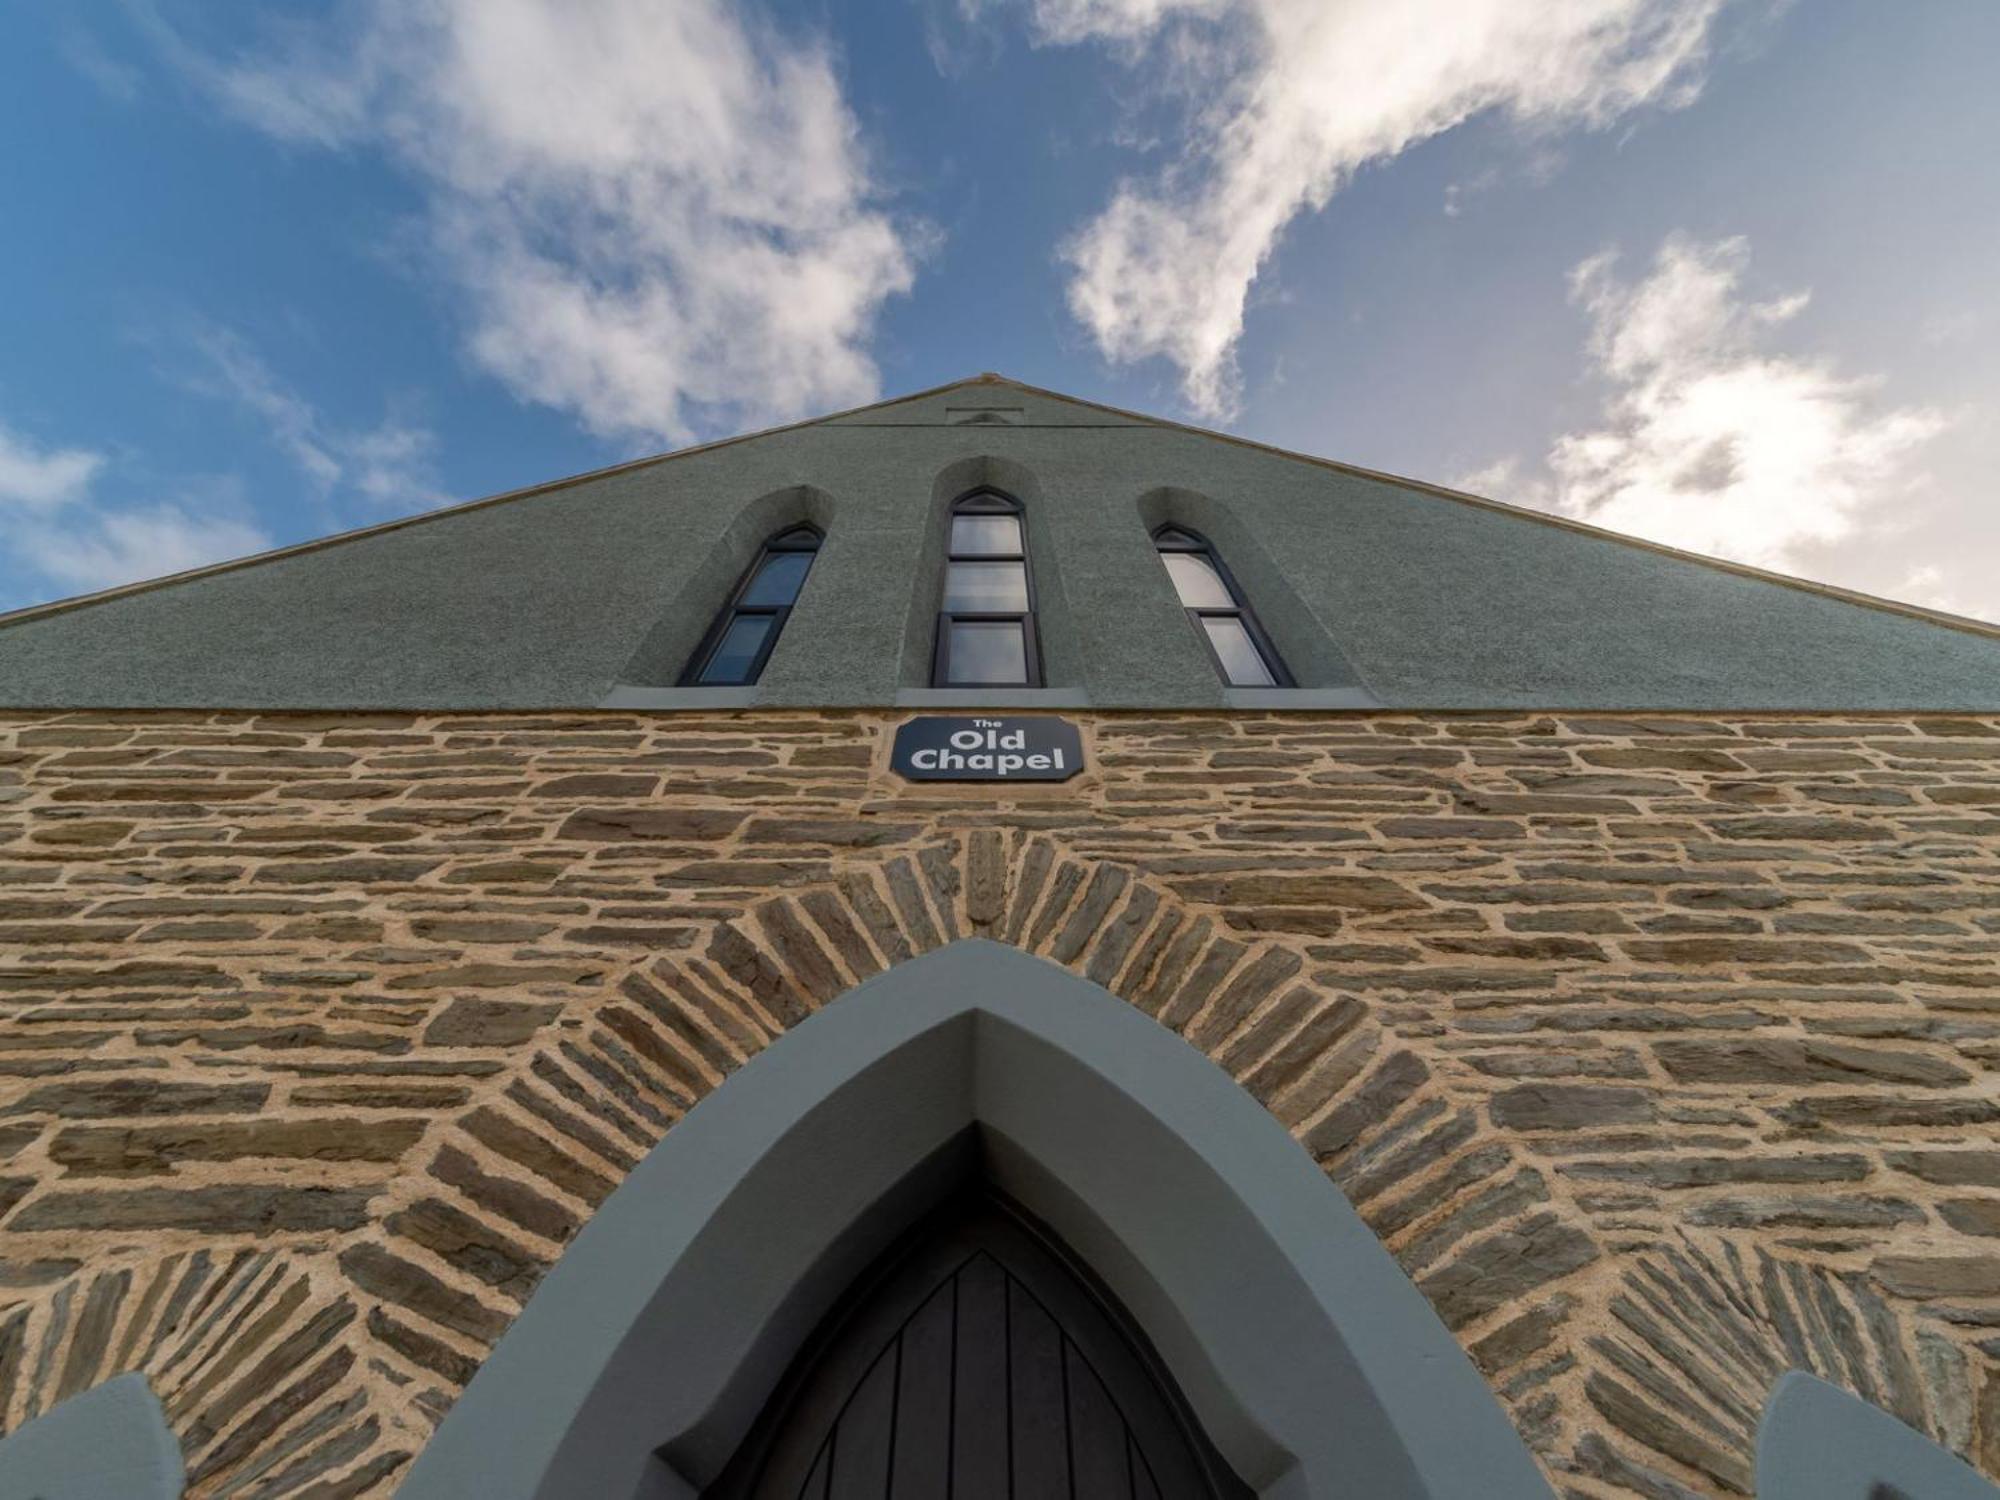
(1542, 518)
(1960, 623)
(382, 528)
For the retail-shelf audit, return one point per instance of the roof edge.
(1961, 623)
(53, 607)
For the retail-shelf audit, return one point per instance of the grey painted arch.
(1313, 1363)
(1818, 1442)
(111, 1442)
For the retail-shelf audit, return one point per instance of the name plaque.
(1019, 748)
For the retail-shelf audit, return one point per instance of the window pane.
(986, 536)
(983, 651)
(737, 651)
(778, 579)
(1243, 665)
(1196, 581)
(985, 588)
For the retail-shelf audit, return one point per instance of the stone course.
(1659, 1049)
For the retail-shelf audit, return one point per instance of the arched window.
(1243, 654)
(986, 624)
(738, 644)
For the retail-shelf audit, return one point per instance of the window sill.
(627, 696)
(992, 697)
(1299, 698)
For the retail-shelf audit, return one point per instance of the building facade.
(485, 990)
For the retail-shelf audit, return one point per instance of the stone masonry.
(1660, 1050)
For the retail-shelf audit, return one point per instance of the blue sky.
(1718, 272)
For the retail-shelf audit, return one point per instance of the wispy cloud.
(1292, 97)
(1709, 439)
(389, 465)
(52, 526)
(118, 81)
(1927, 585)
(100, 549)
(660, 215)
(35, 477)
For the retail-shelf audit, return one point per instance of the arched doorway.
(982, 1360)
(645, 1359)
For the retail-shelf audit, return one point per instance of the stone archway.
(1315, 1366)
(308, 1271)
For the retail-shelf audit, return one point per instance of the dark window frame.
(803, 537)
(987, 502)
(1169, 539)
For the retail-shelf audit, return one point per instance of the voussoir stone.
(1496, 1270)
(382, 1273)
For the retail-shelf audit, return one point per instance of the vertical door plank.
(1041, 1423)
(979, 1406)
(1143, 1485)
(862, 1438)
(815, 1486)
(923, 1403)
(1097, 1444)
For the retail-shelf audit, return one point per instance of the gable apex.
(1373, 588)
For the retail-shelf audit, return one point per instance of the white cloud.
(389, 465)
(660, 213)
(1928, 586)
(1066, 21)
(1708, 439)
(50, 523)
(99, 549)
(117, 81)
(1304, 93)
(39, 478)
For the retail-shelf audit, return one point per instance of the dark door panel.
(977, 1361)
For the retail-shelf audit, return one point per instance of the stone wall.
(1660, 1051)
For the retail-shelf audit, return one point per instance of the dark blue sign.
(1010, 748)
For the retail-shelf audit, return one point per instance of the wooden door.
(978, 1361)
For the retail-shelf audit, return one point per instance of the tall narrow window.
(1243, 654)
(986, 626)
(739, 642)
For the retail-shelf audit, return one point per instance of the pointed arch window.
(1242, 653)
(986, 624)
(738, 644)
